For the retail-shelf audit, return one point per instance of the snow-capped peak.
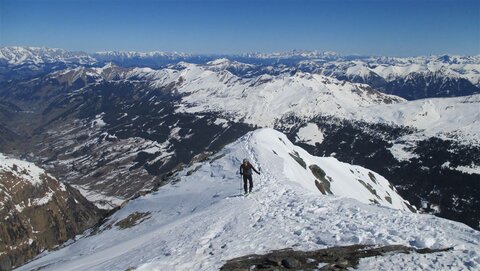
(359, 69)
(225, 63)
(219, 61)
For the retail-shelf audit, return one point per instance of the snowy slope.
(261, 100)
(198, 222)
(264, 99)
(452, 118)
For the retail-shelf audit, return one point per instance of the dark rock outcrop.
(334, 258)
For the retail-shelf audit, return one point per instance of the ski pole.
(241, 181)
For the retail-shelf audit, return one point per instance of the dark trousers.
(249, 178)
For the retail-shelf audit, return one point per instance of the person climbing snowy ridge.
(246, 171)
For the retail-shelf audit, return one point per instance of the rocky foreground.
(329, 259)
(38, 212)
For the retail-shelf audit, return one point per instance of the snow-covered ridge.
(261, 100)
(306, 54)
(326, 175)
(264, 99)
(449, 118)
(200, 221)
(225, 63)
(136, 54)
(390, 68)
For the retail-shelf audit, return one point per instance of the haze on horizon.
(364, 27)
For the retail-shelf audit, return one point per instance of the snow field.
(310, 134)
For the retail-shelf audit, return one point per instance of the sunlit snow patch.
(310, 134)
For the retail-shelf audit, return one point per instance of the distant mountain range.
(409, 77)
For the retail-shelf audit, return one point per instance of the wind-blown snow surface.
(200, 221)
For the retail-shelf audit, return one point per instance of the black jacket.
(247, 169)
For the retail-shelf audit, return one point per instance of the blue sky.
(367, 27)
